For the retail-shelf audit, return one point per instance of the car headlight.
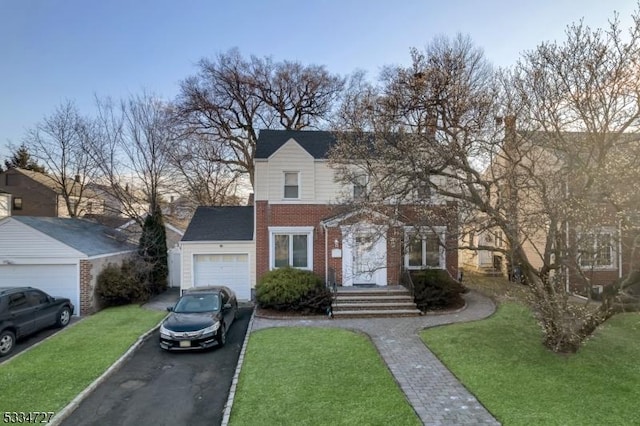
(164, 332)
(212, 329)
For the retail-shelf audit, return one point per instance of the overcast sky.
(53, 50)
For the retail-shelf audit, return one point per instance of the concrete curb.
(234, 383)
(70, 407)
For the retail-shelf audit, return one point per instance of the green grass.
(312, 376)
(502, 361)
(49, 376)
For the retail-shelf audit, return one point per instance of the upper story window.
(360, 187)
(597, 249)
(292, 185)
(425, 249)
(17, 203)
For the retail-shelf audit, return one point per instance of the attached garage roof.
(87, 237)
(226, 223)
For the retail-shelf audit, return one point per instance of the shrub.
(289, 289)
(435, 289)
(121, 284)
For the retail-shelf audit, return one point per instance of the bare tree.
(133, 152)
(202, 178)
(435, 124)
(232, 98)
(60, 143)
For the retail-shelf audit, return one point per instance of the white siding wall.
(317, 179)
(189, 249)
(22, 244)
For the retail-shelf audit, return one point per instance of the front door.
(365, 258)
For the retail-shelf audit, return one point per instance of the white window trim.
(440, 231)
(291, 230)
(284, 184)
(364, 186)
(614, 248)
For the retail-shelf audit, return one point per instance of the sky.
(52, 51)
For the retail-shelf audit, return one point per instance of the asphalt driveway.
(155, 387)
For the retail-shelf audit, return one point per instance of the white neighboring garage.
(218, 249)
(62, 256)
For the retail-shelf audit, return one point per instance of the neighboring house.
(62, 256)
(5, 204)
(218, 248)
(602, 252)
(37, 194)
(300, 220)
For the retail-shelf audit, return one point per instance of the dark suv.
(26, 310)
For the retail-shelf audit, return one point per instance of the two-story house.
(38, 194)
(536, 187)
(301, 218)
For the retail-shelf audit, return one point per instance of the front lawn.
(502, 361)
(315, 376)
(49, 376)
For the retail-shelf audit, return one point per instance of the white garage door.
(231, 270)
(57, 280)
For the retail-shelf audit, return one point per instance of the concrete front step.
(390, 301)
(377, 313)
(372, 299)
(340, 306)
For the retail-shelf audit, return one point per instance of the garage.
(53, 279)
(231, 270)
(62, 256)
(218, 249)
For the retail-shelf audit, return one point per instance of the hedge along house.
(62, 256)
(304, 220)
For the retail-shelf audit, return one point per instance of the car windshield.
(193, 303)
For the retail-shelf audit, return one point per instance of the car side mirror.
(170, 308)
(227, 306)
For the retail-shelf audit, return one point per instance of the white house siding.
(23, 244)
(192, 248)
(291, 157)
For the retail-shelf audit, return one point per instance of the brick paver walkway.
(435, 394)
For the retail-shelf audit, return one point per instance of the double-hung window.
(291, 246)
(360, 186)
(597, 249)
(292, 185)
(425, 249)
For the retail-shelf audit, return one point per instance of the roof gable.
(292, 146)
(317, 143)
(224, 223)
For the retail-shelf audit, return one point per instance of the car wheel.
(64, 316)
(222, 335)
(7, 342)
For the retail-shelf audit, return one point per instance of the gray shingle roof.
(87, 237)
(226, 223)
(315, 142)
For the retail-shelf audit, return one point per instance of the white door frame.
(376, 270)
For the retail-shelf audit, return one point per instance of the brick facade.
(312, 215)
(86, 289)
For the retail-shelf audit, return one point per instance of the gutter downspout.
(326, 255)
(619, 248)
